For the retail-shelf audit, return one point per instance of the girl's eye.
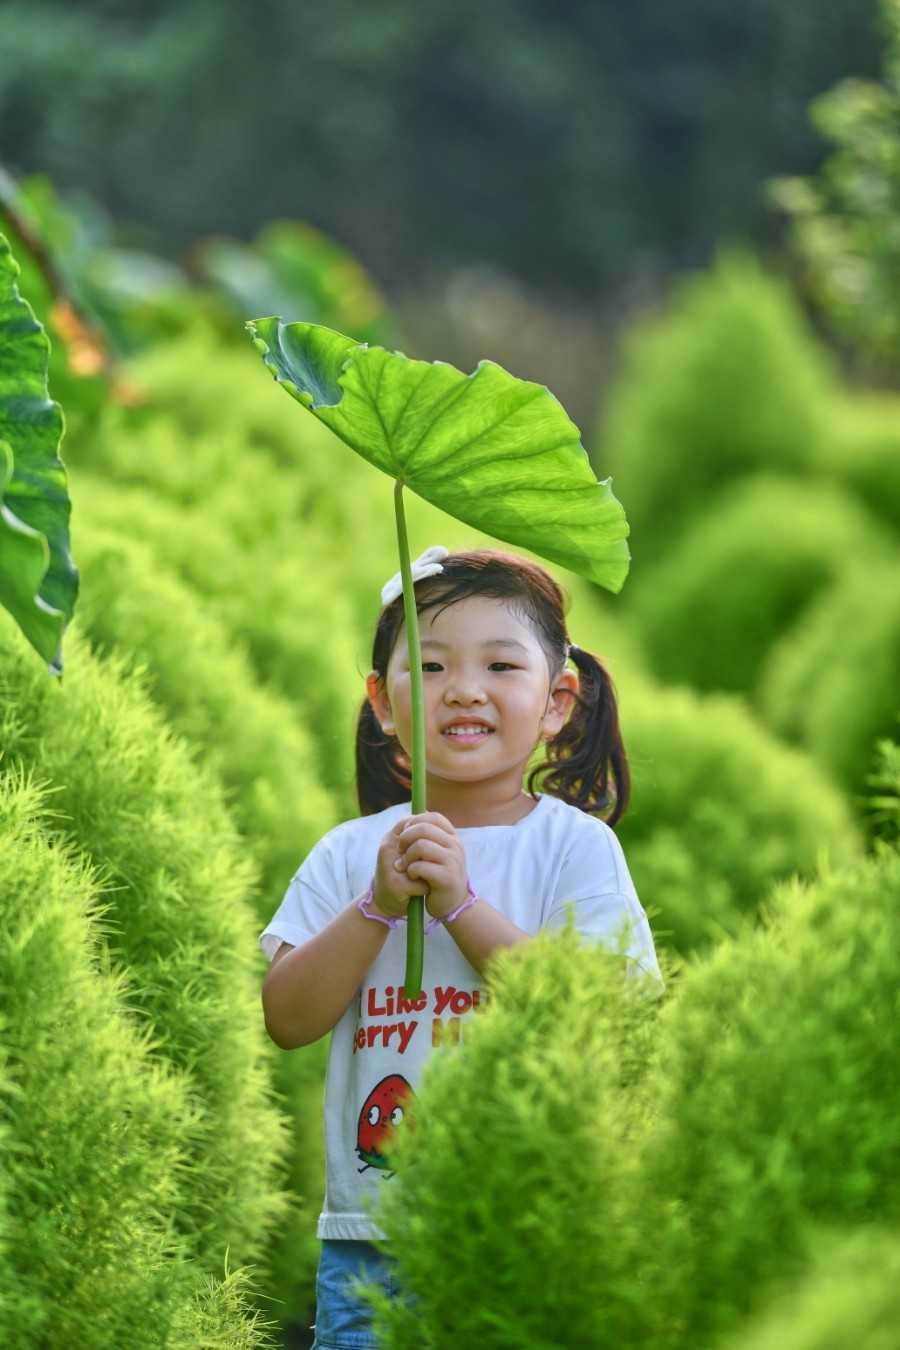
(430, 667)
(501, 665)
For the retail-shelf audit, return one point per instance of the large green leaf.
(38, 582)
(492, 450)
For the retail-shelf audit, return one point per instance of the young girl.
(495, 859)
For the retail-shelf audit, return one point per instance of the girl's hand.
(422, 855)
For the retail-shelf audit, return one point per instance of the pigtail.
(383, 774)
(586, 763)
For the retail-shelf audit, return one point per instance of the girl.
(495, 859)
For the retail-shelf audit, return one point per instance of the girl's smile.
(489, 697)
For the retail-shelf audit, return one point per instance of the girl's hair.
(586, 764)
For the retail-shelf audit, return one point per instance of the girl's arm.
(482, 930)
(307, 989)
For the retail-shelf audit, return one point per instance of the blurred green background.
(514, 175)
(685, 220)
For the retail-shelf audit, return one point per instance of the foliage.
(700, 1161)
(833, 681)
(505, 1254)
(292, 268)
(727, 382)
(457, 440)
(95, 1128)
(221, 1316)
(38, 582)
(884, 801)
(778, 1115)
(845, 219)
(183, 654)
(711, 607)
(127, 793)
(849, 1297)
(719, 811)
(862, 449)
(579, 146)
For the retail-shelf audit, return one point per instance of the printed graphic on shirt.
(382, 1112)
(388, 1021)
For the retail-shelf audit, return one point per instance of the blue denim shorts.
(343, 1321)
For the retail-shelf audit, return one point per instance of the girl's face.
(489, 695)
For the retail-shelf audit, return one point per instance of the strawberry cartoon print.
(381, 1113)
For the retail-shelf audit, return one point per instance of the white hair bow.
(428, 565)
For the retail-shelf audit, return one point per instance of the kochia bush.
(132, 604)
(851, 1297)
(585, 1173)
(93, 1131)
(720, 810)
(281, 590)
(710, 609)
(521, 1152)
(728, 381)
(779, 1106)
(833, 681)
(178, 921)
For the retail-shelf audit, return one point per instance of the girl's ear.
(378, 699)
(559, 703)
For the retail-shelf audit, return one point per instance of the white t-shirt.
(554, 861)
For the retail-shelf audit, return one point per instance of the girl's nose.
(464, 688)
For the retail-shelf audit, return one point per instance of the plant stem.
(415, 925)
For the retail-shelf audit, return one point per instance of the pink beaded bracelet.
(470, 899)
(368, 899)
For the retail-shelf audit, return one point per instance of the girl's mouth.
(467, 731)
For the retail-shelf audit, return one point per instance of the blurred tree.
(576, 141)
(846, 221)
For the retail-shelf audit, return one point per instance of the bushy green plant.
(862, 449)
(729, 380)
(222, 1315)
(201, 417)
(212, 697)
(523, 1142)
(95, 1129)
(833, 681)
(132, 799)
(282, 597)
(710, 609)
(850, 1297)
(779, 1102)
(720, 809)
(582, 1174)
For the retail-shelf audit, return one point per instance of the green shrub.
(833, 681)
(221, 1315)
(728, 381)
(850, 1297)
(584, 1173)
(206, 416)
(280, 591)
(94, 1132)
(720, 809)
(522, 1144)
(251, 735)
(778, 1104)
(710, 609)
(862, 449)
(177, 887)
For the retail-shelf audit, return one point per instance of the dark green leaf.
(38, 582)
